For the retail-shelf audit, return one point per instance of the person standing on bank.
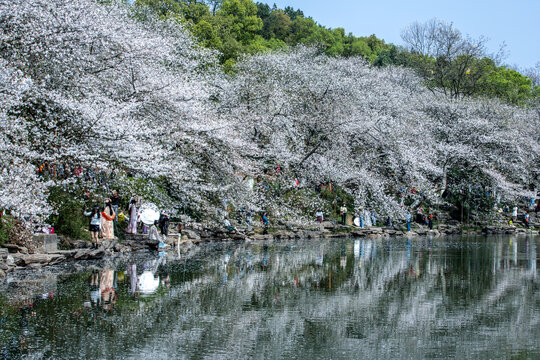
(164, 219)
(107, 221)
(526, 219)
(374, 218)
(320, 216)
(115, 201)
(408, 218)
(343, 212)
(95, 225)
(132, 226)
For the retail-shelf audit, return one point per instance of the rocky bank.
(48, 250)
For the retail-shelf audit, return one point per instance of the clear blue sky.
(516, 23)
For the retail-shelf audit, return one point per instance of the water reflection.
(102, 290)
(364, 298)
(148, 282)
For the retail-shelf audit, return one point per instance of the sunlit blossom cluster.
(106, 86)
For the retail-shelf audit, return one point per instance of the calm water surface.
(460, 297)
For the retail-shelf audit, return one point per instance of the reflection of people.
(132, 273)
(264, 260)
(166, 282)
(147, 283)
(319, 259)
(95, 293)
(106, 286)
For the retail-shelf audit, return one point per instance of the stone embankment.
(45, 250)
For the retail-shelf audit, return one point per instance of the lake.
(445, 297)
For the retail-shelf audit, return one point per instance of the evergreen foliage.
(237, 27)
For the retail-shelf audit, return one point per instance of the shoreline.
(15, 258)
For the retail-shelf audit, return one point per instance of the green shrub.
(71, 222)
(6, 225)
(69, 219)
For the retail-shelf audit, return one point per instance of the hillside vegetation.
(440, 54)
(105, 95)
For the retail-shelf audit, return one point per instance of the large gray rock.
(238, 237)
(89, 254)
(121, 248)
(312, 234)
(50, 259)
(262, 237)
(330, 235)
(80, 244)
(13, 249)
(10, 260)
(190, 234)
(282, 234)
(359, 233)
(328, 225)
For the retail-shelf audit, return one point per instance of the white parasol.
(148, 214)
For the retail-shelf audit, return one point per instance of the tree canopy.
(446, 59)
(105, 89)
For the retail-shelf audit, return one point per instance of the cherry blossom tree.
(90, 85)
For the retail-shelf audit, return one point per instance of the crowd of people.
(366, 218)
(103, 221)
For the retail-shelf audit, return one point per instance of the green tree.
(277, 25)
(506, 84)
(448, 60)
(293, 14)
(243, 19)
(194, 11)
(359, 47)
(302, 30)
(390, 56)
(263, 11)
(207, 35)
(214, 5)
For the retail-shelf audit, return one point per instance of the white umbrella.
(148, 214)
